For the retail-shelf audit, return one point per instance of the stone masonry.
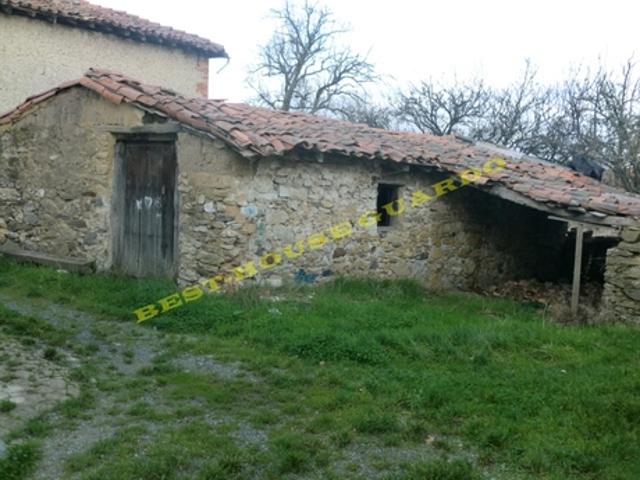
(621, 295)
(466, 239)
(56, 189)
(56, 177)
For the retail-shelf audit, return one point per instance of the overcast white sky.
(410, 40)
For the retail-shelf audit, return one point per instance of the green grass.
(170, 455)
(358, 361)
(19, 462)
(439, 470)
(28, 328)
(6, 406)
(111, 296)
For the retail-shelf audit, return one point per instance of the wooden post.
(577, 267)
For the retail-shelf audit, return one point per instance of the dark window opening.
(387, 195)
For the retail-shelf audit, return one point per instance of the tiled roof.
(83, 14)
(254, 131)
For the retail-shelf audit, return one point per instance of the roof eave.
(213, 51)
(590, 217)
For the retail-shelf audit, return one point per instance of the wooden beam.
(597, 230)
(64, 263)
(577, 270)
(153, 128)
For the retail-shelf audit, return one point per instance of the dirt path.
(112, 339)
(118, 351)
(30, 382)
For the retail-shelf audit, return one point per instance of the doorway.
(144, 219)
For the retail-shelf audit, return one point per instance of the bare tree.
(593, 116)
(304, 66)
(516, 116)
(368, 112)
(617, 111)
(598, 117)
(439, 110)
(573, 127)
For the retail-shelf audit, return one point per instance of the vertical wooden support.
(577, 270)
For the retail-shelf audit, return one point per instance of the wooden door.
(146, 236)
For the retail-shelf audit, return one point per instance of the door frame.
(117, 217)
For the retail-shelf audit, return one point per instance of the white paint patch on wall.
(36, 56)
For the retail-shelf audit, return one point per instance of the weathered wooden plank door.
(146, 243)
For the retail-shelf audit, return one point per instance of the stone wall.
(466, 239)
(56, 187)
(56, 168)
(36, 55)
(621, 297)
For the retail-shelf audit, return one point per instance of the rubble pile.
(546, 293)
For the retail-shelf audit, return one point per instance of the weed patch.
(19, 461)
(6, 406)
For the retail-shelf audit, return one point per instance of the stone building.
(141, 180)
(47, 42)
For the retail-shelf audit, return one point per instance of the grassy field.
(352, 379)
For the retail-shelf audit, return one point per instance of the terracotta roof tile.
(113, 97)
(147, 100)
(130, 93)
(254, 131)
(86, 15)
